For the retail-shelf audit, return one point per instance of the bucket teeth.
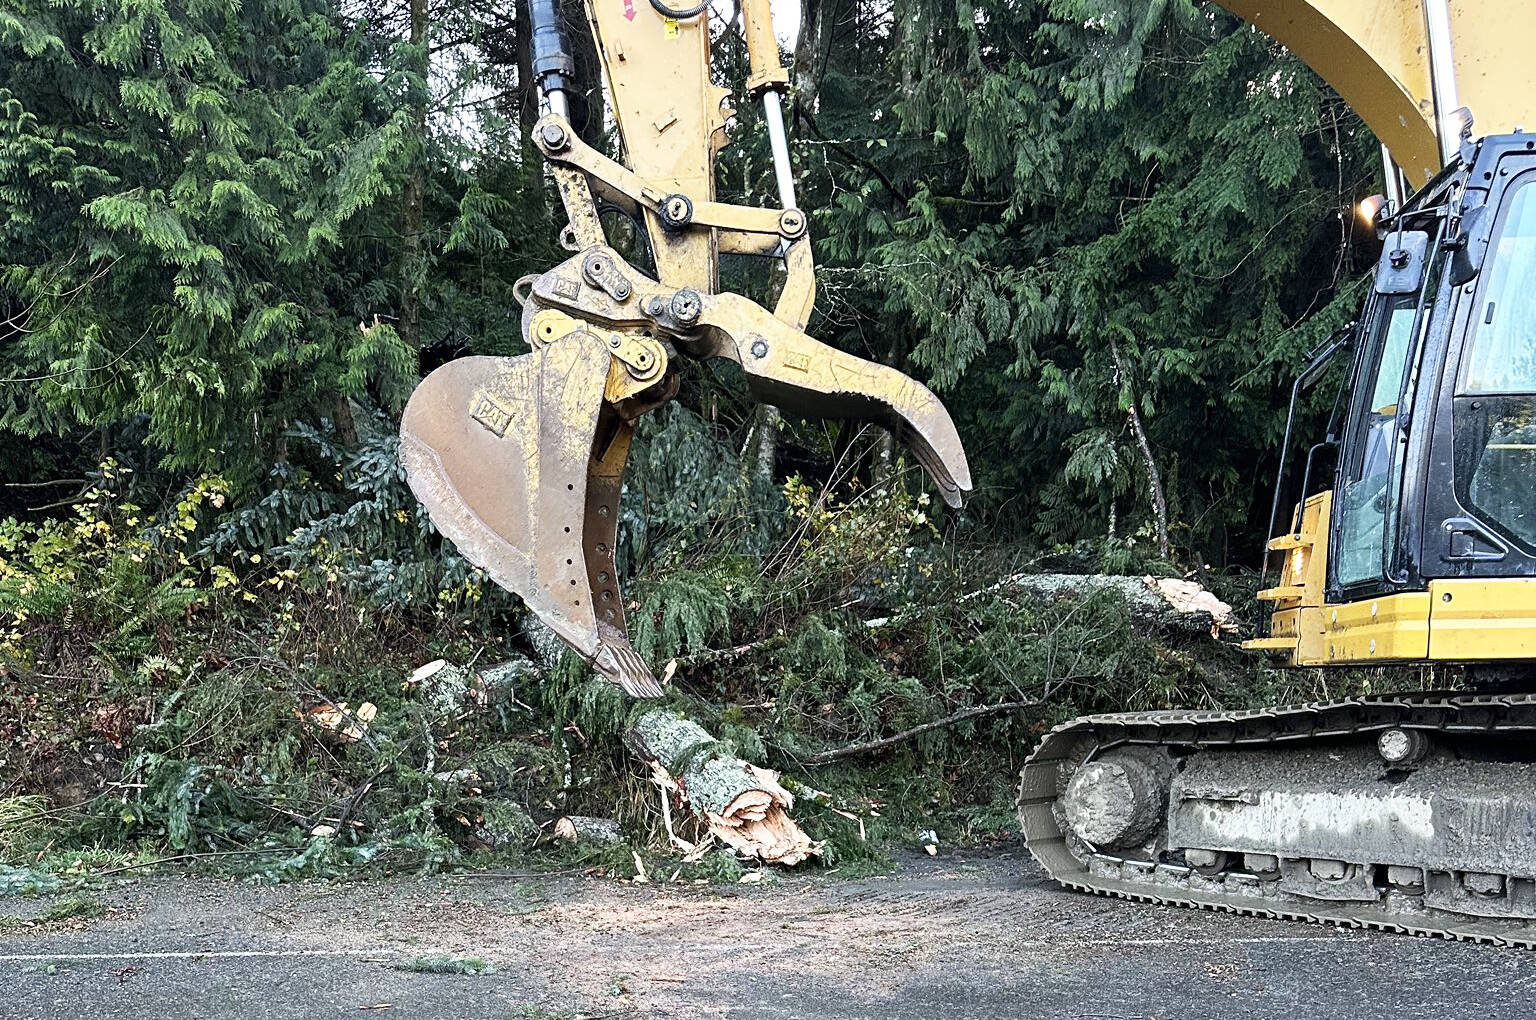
(621, 665)
(519, 463)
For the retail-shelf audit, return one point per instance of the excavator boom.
(1376, 55)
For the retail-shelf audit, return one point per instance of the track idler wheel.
(1119, 799)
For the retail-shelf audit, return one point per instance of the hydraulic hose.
(680, 15)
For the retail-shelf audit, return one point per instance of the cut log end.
(756, 823)
(742, 805)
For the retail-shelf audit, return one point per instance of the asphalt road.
(973, 937)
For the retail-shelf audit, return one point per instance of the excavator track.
(1160, 873)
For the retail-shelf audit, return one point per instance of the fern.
(683, 611)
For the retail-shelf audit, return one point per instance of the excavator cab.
(1424, 548)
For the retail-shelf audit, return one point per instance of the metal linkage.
(1450, 115)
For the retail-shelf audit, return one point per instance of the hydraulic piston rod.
(773, 114)
(1450, 117)
(552, 64)
(771, 80)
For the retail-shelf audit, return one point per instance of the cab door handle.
(1470, 542)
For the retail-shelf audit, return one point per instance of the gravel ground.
(964, 936)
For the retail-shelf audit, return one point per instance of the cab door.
(1480, 495)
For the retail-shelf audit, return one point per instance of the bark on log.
(586, 829)
(743, 805)
(442, 687)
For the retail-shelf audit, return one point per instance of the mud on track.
(966, 936)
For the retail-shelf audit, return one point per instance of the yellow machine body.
(1455, 621)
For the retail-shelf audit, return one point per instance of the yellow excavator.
(1413, 813)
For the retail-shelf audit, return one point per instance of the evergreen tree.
(1106, 232)
(185, 197)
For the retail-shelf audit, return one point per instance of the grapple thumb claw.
(791, 370)
(518, 461)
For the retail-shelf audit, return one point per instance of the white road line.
(193, 954)
(1252, 940)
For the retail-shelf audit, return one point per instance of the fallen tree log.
(742, 805)
(1162, 603)
(587, 829)
(1169, 603)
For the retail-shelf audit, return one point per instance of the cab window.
(1368, 495)
(1494, 416)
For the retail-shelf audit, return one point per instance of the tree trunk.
(411, 194)
(527, 94)
(765, 455)
(816, 18)
(1154, 477)
(589, 830)
(743, 805)
(346, 423)
(587, 74)
(883, 459)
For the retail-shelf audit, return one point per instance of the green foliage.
(345, 508)
(449, 965)
(682, 610)
(688, 495)
(68, 908)
(22, 821)
(120, 582)
(174, 186)
(193, 680)
(22, 881)
(1056, 174)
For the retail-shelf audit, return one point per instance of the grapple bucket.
(519, 462)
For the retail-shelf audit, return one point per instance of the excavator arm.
(520, 461)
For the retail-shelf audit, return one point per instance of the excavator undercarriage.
(1414, 814)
